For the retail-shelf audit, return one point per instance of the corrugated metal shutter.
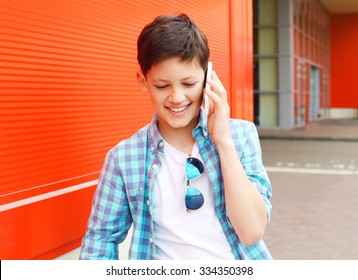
(68, 89)
(68, 93)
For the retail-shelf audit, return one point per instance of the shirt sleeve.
(251, 160)
(110, 217)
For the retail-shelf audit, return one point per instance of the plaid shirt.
(123, 196)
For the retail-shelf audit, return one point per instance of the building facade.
(292, 62)
(303, 63)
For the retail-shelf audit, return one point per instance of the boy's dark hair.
(171, 36)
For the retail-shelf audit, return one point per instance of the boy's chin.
(179, 124)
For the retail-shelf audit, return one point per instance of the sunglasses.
(194, 199)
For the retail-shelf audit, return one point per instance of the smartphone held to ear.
(207, 76)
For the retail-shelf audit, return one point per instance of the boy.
(192, 186)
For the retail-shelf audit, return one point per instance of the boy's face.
(176, 90)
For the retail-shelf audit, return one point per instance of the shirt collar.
(154, 136)
(203, 123)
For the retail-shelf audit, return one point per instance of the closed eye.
(161, 87)
(189, 84)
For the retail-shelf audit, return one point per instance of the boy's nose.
(177, 96)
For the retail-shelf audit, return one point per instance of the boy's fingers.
(217, 86)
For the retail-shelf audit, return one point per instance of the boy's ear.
(142, 81)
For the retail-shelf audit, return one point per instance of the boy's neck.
(179, 138)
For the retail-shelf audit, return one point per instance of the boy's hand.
(219, 115)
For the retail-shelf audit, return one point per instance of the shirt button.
(148, 203)
(155, 166)
(161, 144)
(205, 134)
(152, 149)
(151, 240)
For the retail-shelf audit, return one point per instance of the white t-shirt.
(180, 234)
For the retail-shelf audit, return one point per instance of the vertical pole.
(241, 54)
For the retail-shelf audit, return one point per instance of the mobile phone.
(207, 76)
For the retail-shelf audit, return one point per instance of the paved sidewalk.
(314, 221)
(323, 130)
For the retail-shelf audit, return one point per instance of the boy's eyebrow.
(159, 80)
(189, 77)
(186, 78)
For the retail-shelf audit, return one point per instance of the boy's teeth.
(178, 109)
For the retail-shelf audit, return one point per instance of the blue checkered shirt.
(123, 196)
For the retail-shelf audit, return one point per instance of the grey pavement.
(322, 130)
(313, 219)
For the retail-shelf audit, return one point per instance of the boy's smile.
(179, 109)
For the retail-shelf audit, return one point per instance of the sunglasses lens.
(193, 198)
(193, 168)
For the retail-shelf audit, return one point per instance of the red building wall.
(344, 60)
(68, 94)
